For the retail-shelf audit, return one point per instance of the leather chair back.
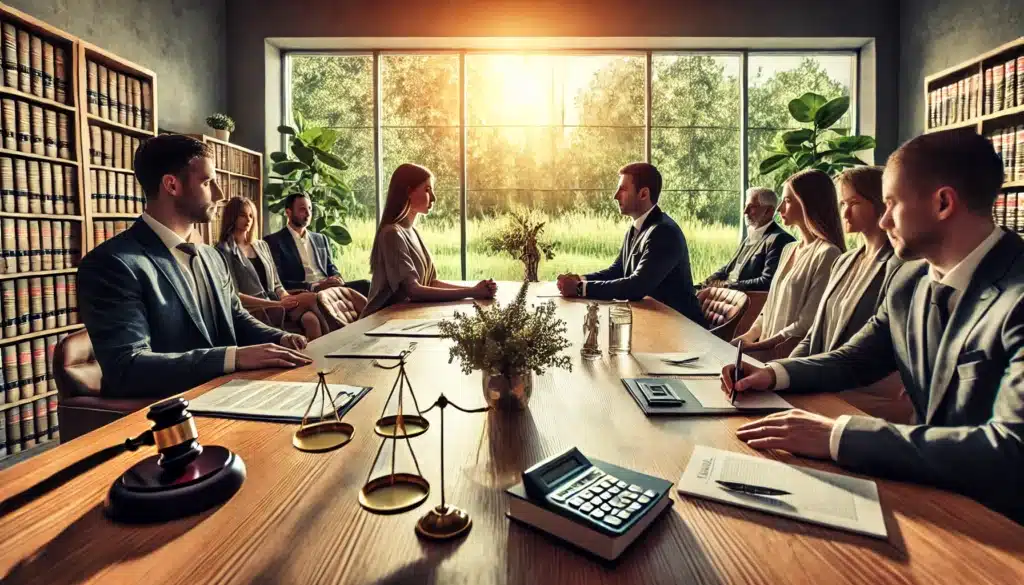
(722, 308)
(340, 306)
(80, 405)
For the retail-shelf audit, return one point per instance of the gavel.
(182, 479)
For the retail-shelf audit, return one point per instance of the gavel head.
(175, 434)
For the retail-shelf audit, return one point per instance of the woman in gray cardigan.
(255, 277)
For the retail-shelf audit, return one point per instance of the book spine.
(1009, 153)
(102, 197)
(1020, 80)
(24, 127)
(42, 421)
(977, 93)
(24, 261)
(137, 103)
(1019, 175)
(3, 434)
(60, 76)
(987, 101)
(13, 417)
(72, 245)
(998, 88)
(58, 246)
(21, 196)
(35, 188)
(72, 299)
(25, 369)
(147, 106)
(34, 246)
(1010, 94)
(92, 93)
(10, 311)
(36, 64)
(51, 409)
(118, 150)
(112, 104)
(126, 155)
(21, 294)
(49, 69)
(122, 194)
(28, 426)
(35, 303)
(108, 148)
(61, 294)
(96, 145)
(49, 303)
(10, 124)
(38, 130)
(122, 99)
(46, 244)
(102, 107)
(51, 346)
(7, 184)
(63, 137)
(13, 387)
(961, 107)
(46, 175)
(94, 189)
(59, 197)
(111, 195)
(10, 36)
(1012, 211)
(999, 210)
(24, 64)
(39, 365)
(70, 198)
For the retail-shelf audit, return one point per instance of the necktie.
(630, 242)
(938, 319)
(203, 292)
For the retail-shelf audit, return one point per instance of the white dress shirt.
(637, 224)
(958, 278)
(172, 240)
(305, 246)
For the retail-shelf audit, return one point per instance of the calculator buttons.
(650, 493)
(597, 514)
(596, 501)
(576, 502)
(629, 496)
(606, 508)
(618, 503)
(634, 507)
(586, 494)
(612, 520)
(643, 500)
(624, 514)
(635, 489)
(615, 490)
(605, 496)
(586, 508)
(559, 497)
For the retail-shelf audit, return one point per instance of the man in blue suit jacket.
(302, 256)
(654, 260)
(161, 312)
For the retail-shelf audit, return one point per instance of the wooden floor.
(297, 520)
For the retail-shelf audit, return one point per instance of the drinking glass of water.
(620, 328)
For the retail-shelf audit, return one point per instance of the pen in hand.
(736, 372)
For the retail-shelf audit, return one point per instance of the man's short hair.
(961, 159)
(765, 196)
(293, 197)
(167, 154)
(644, 175)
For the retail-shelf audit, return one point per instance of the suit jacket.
(850, 322)
(972, 405)
(243, 273)
(289, 262)
(759, 261)
(656, 264)
(146, 326)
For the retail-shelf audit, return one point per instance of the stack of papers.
(408, 328)
(818, 497)
(359, 346)
(271, 400)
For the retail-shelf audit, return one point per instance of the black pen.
(736, 372)
(751, 489)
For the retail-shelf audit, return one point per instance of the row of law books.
(40, 303)
(1008, 211)
(955, 102)
(35, 129)
(1009, 145)
(28, 186)
(34, 245)
(108, 148)
(1004, 85)
(236, 161)
(104, 230)
(26, 372)
(114, 192)
(119, 97)
(34, 65)
(247, 188)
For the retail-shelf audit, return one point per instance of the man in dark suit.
(160, 311)
(951, 324)
(753, 266)
(302, 256)
(654, 260)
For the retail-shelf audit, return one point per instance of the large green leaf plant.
(817, 145)
(312, 168)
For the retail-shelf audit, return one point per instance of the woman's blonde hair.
(232, 210)
(865, 181)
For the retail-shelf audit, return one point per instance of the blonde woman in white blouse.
(810, 205)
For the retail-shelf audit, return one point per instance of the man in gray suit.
(951, 324)
(160, 311)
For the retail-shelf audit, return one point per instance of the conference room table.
(297, 518)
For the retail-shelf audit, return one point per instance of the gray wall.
(252, 21)
(935, 34)
(182, 41)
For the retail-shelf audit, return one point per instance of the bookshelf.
(986, 94)
(41, 221)
(239, 174)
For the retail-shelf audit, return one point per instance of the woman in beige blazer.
(809, 204)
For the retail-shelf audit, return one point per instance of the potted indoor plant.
(222, 125)
(509, 345)
(520, 237)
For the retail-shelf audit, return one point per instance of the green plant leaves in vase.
(520, 235)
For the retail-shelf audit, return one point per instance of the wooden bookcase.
(47, 192)
(976, 94)
(239, 174)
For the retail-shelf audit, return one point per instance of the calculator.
(609, 499)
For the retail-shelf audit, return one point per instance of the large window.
(548, 133)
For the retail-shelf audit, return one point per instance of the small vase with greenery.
(509, 345)
(222, 125)
(819, 144)
(520, 236)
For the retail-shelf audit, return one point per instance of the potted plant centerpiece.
(509, 345)
(222, 125)
(520, 236)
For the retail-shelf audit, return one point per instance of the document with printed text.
(272, 400)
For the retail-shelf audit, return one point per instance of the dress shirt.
(754, 236)
(637, 224)
(305, 246)
(958, 278)
(172, 240)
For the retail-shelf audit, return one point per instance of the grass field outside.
(586, 243)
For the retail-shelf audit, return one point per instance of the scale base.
(146, 493)
(444, 523)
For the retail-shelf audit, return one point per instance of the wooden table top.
(297, 518)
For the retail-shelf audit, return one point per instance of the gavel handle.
(72, 471)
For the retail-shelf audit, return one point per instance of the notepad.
(273, 401)
(407, 328)
(819, 497)
(358, 346)
(655, 364)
